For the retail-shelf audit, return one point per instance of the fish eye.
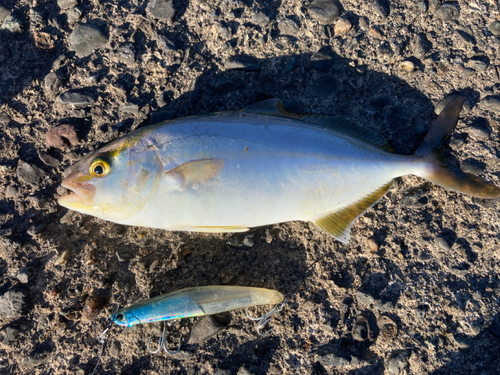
(119, 317)
(99, 167)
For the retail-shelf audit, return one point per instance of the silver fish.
(231, 171)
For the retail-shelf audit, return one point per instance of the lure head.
(124, 318)
(115, 181)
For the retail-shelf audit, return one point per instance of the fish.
(195, 301)
(232, 171)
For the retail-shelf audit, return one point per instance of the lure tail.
(442, 173)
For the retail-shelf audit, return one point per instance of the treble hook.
(266, 318)
(162, 343)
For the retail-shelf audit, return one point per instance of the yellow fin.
(197, 172)
(215, 229)
(339, 223)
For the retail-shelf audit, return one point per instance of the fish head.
(114, 182)
(125, 318)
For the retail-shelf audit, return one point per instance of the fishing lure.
(199, 301)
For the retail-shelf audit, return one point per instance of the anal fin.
(339, 223)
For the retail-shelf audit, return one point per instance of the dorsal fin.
(339, 223)
(274, 107)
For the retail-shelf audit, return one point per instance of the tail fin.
(445, 174)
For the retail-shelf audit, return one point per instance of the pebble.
(37, 228)
(422, 6)
(333, 360)
(288, 27)
(85, 39)
(248, 370)
(361, 330)
(10, 192)
(260, 19)
(384, 49)
(441, 243)
(467, 72)
(472, 166)
(364, 23)
(423, 256)
(245, 63)
(466, 37)
(326, 85)
(29, 174)
(388, 306)
(76, 98)
(74, 15)
(448, 11)
(130, 108)
(57, 135)
(52, 83)
(8, 335)
(388, 328)
(12, 24)
(204, 328)
(447, 100)
(375, 32)
(4, 12)
(47, 159)
(407, 66)
(372, 245)
(23, 275)
(326, 12)
(493, 27)
(4, 118)
(342, 26)
(420, 46)
(64, 257)
(491, 103)
(480, 128)
(397, 362)
(321, 61)
(379, 9)
(363, 298)
(12, 304)
(478, 64)
(162, 9)
(66, 4)
(94, 305)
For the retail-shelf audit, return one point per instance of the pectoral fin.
(339, 223)
(196, 172)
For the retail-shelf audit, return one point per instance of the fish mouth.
(80, 194)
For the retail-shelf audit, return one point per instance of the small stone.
(4, 118)
(12, 304)
(442, 244)
(8, 335)
(57, 135)
(288, 27)
(388, 306)
(472, 166)
(448, 11)
(478, 64)
(397, 362)
(363, 298)
(333, 360)
(74, 15)
(85, 39)
(379, 9)
(130, 108)
(342, 26)
(12, 24)
(47, 159)
(4, 12)
(162, 9)
(364, 23)
(205, 328)
(420, 46)
(375, 32)
(29, 174)
(480, 128)
(260, 19)
(124, 54)
(63, 258)
(372, 245)
(23, 275)
(94, 305)
(361, 330)
(76, 98)
(461, 342)
(494, 28)
(66, 4)
(321, 61)
(491, 103)
(447, 100)
(467, 72)
(10, 192)
(37, 228)
(384, 49)
(423, 256)
(422, 6)
(388, 328)
(245, 63)
(407, 66)
(326, 12)
(466, 37)
(52, 83)
(441, 68)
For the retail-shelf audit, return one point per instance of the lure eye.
(119, 317)
(99, 167)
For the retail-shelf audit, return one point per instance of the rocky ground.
(416, 290)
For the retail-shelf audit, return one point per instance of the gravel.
(85, 39)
